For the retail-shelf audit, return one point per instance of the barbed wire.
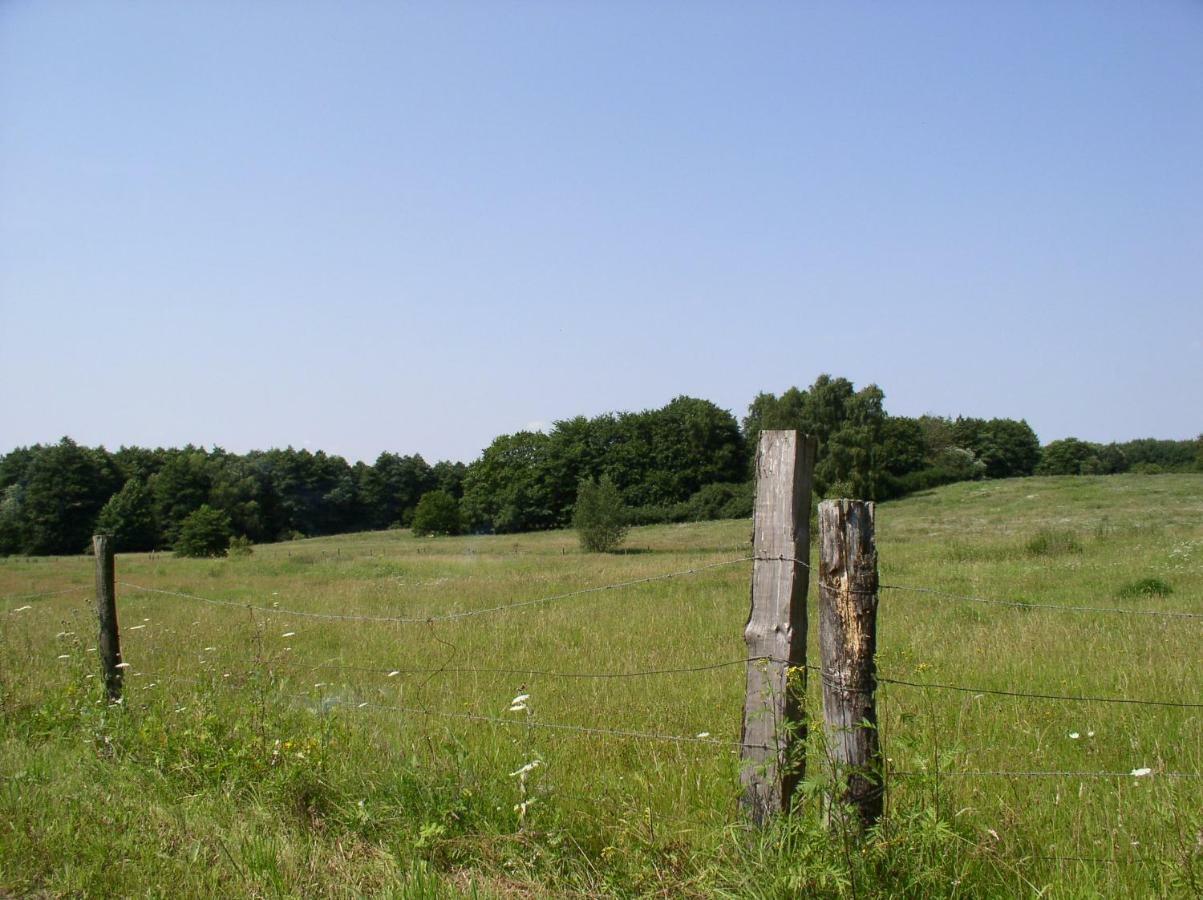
(934, 592)
(826, 676)
(1023, 604)
(236, 678)
(34, 596)
(1018, 604)
(445, 617)
(557, 726)
(832, 678)
(1004, 773)
(1069, 698)
(358, 704)
(518, 670)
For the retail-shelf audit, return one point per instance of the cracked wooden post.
(774, 731)
(847, 644)
(109, 644)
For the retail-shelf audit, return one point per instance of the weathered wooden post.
(109, 644)
(774, 732)
(847, 644)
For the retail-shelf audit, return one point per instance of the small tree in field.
(437, 513)
(600, 517)
(206, 532)
(129, 517)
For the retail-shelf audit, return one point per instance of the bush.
(437, 513)
(241, 546)
(1067, 457)
(1047, 542)
(206, 532)
(1145, 587)
(600, 517)
(129, 516)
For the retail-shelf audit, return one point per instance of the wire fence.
(444, 617)
(328, 690)
(700, 739)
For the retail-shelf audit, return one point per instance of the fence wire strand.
(1065, 698)
(518, 670)
(1018, 604)
(1023, 604)
(1005, 773)
(445, 617)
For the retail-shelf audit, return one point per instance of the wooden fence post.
(774, 732)
(847, 644)
(109, 644)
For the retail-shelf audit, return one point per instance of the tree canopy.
(684, 461)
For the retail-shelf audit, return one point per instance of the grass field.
(242, 762)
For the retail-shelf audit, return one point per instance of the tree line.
(688, 460)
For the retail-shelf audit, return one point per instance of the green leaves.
(600, 516)
(206, 532)
(437, 513)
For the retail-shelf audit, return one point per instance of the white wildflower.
(529, 767)
(1142, 772)
(703, 734)
(1073, 735)
(1090, 734)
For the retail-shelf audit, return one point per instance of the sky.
(411, 227)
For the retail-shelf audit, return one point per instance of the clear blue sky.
(366, 226)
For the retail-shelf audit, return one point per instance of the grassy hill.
(260, 752)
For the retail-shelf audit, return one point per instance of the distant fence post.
(109, 644)
(847, 643)
(774, 731)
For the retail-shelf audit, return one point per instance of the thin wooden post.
(109, 644)
(847, 644)
(774, 731)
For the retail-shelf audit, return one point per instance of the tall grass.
(242, 762)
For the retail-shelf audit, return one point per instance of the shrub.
(1145, 587)
(437, 513)
(241, 546)
(1067, 457)
(1048, 542)
(206, 532)
(600, 517)
(129, 517)
(1147, 468)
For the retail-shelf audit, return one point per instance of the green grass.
(241, 762)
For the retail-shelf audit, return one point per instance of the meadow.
(261, 753)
